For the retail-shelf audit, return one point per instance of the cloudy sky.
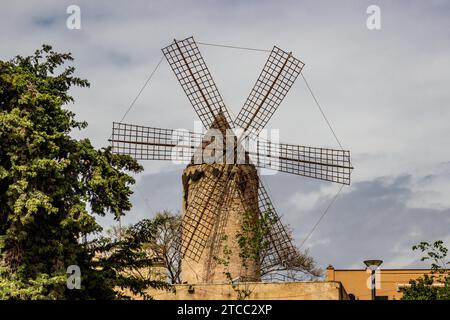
(385, 91)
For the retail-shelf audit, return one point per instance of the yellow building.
(389, 282)
(339, 284)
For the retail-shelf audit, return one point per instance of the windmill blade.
(191, 71)
(242, 195)
(217, 239)
(281, 248)
(147, 143)
(319, 163)
(272, 85)
(204, 208)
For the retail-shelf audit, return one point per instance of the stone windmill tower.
(218, 194)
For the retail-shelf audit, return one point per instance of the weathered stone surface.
(240, 196)
(320, 290)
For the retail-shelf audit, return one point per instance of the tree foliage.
(127, 259)
(436, 285)
(52, 186)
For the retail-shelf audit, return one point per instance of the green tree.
(126, 261)
(52, 186)
(436, 285)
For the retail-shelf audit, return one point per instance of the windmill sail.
(278, 249)
(189, 67)
(212, 191)
(281, 249)
(272, 85)
(319, 163)
(146, 143)
(205, 205)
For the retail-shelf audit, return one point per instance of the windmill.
(215, 195)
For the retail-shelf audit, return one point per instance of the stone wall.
(326, 290)
(238, 185)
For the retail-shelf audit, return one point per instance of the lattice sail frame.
(275, 80)
(278, 75)
(206, 211)
(281, 249)
(319, 163)
(205, 205)
(146, 143)
(191, 71)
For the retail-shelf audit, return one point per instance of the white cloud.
(305, 201)
(432, 190)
